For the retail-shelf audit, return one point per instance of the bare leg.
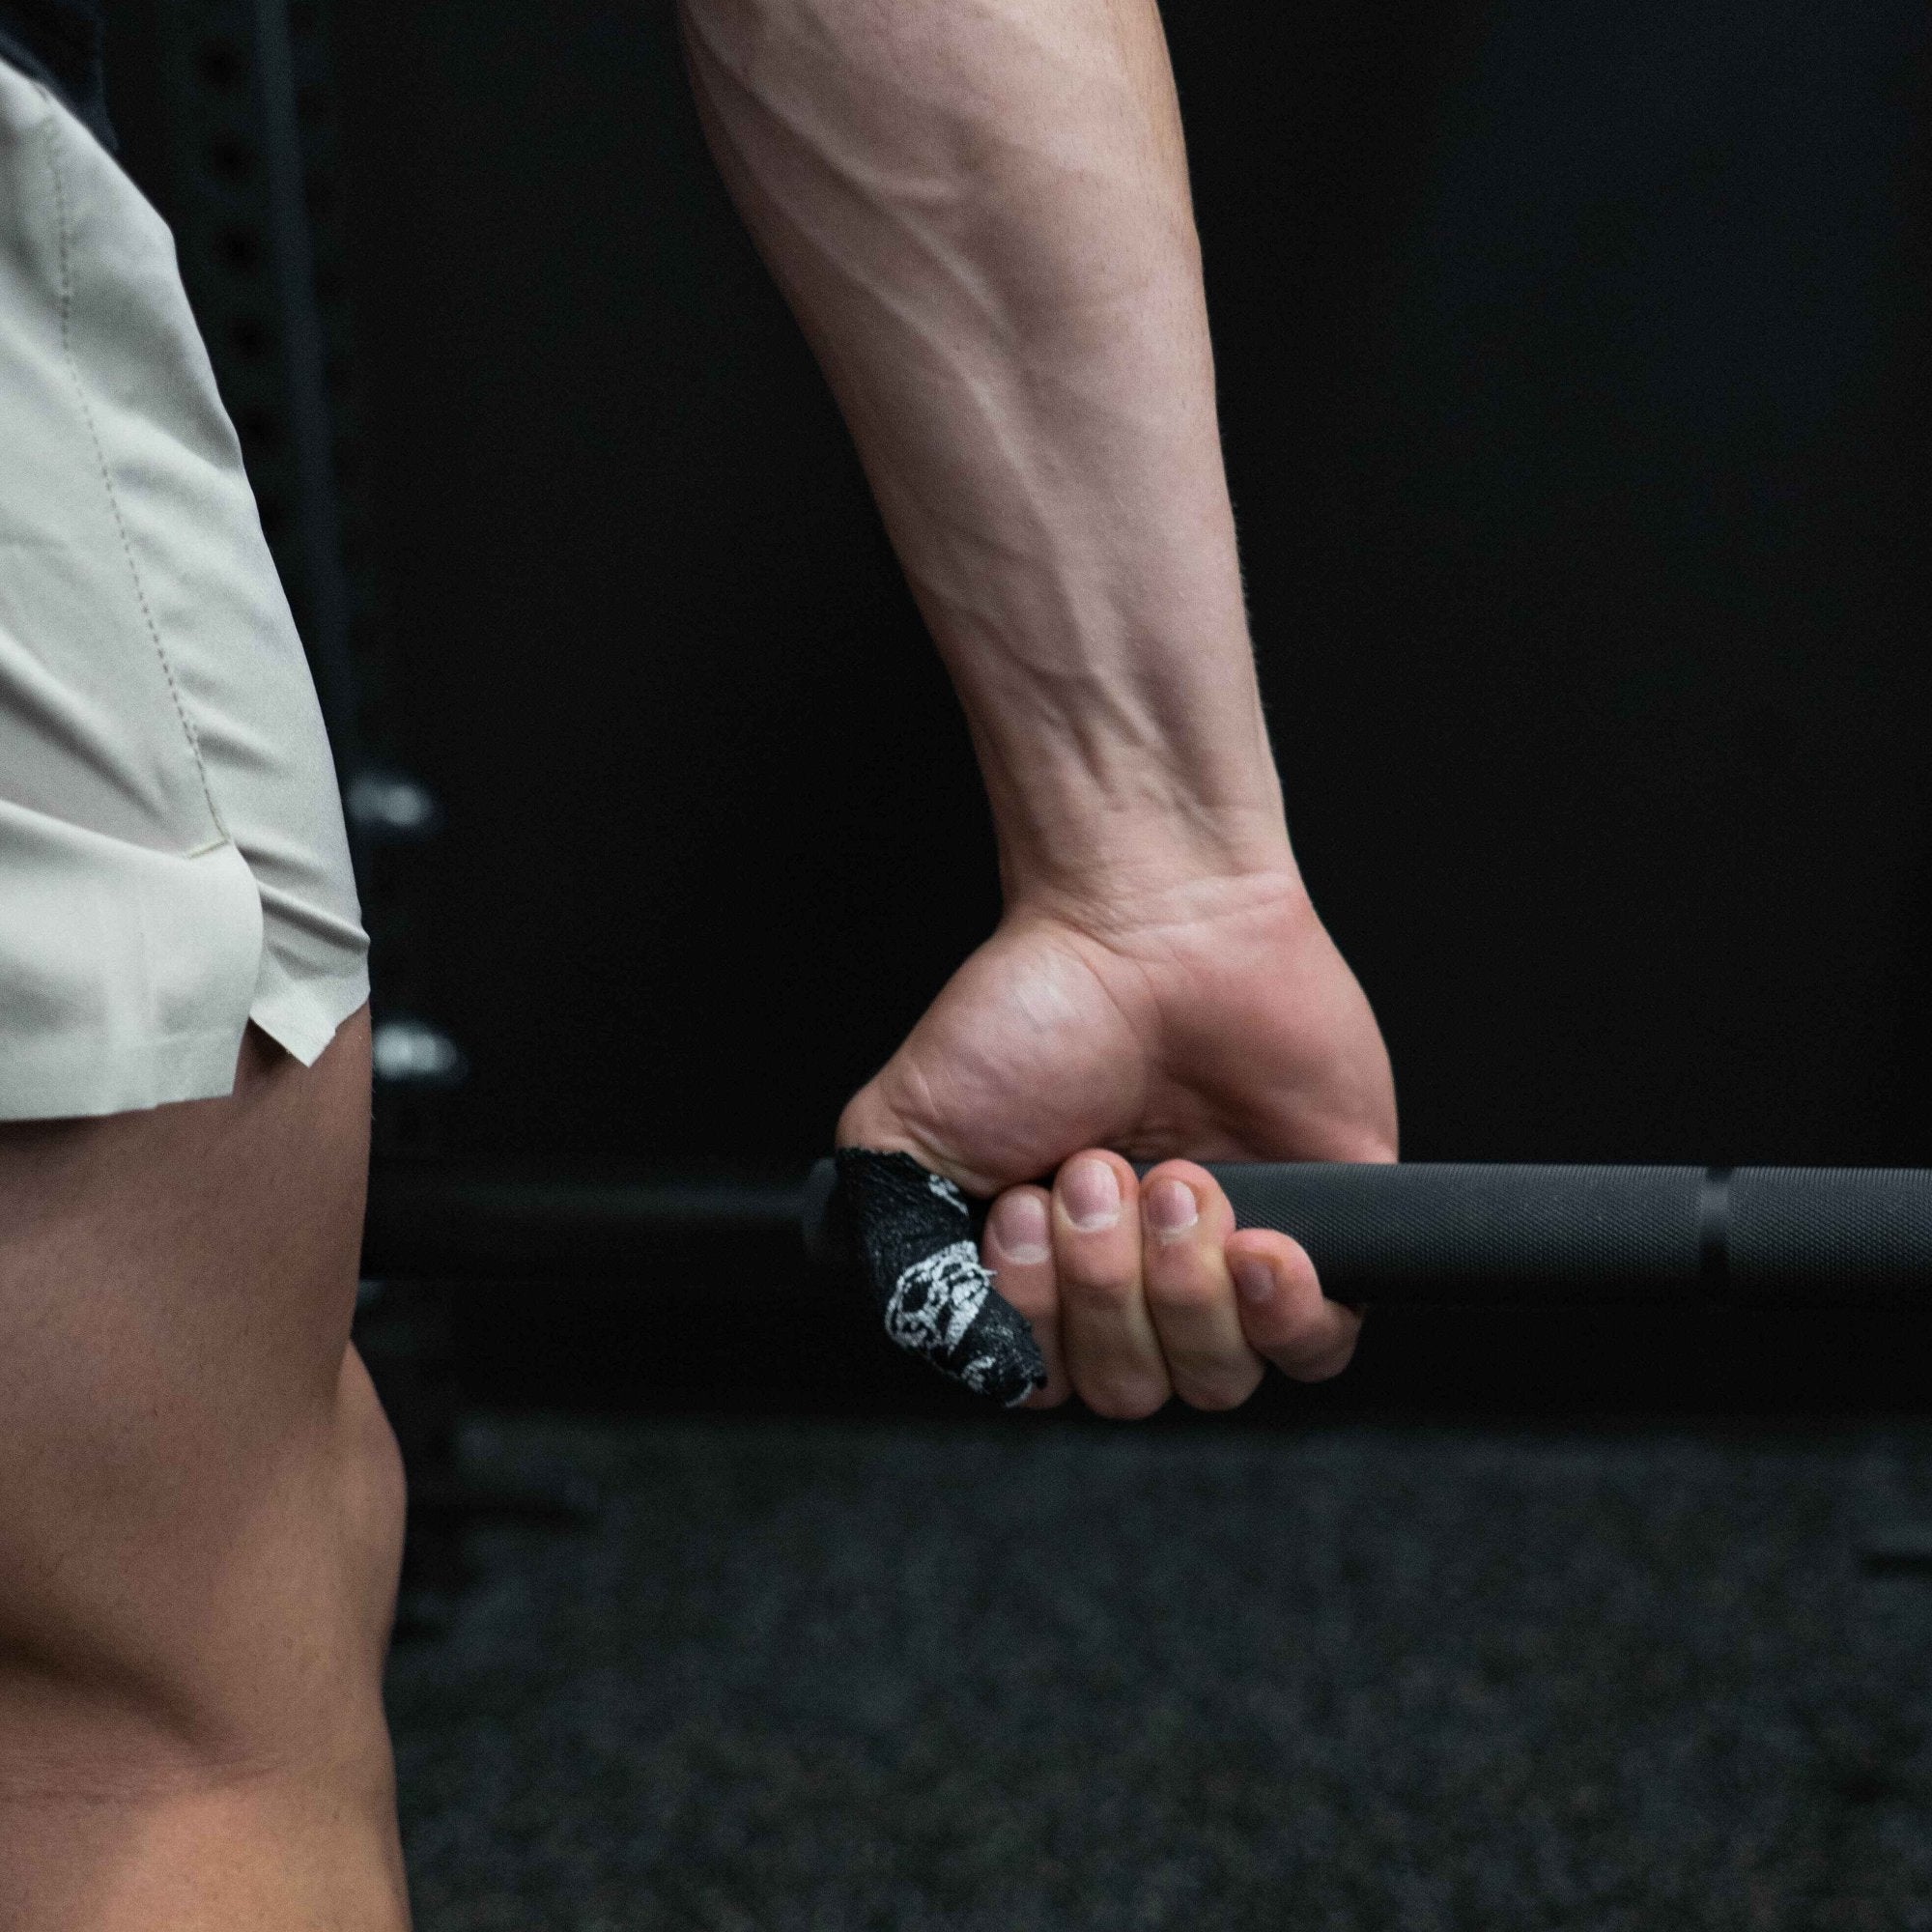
(201, 1511)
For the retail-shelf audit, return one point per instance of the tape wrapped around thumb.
(909, 1233)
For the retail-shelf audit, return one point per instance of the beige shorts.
(172, 856)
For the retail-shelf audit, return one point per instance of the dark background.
(1572, 368)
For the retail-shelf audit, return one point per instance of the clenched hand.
(1214, 1021)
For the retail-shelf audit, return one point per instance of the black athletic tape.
(909, 1235)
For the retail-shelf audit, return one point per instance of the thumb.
(875, 1118)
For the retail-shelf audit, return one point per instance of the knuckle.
(1122, 1397)
(1216, 1397)
(1320, 1368)
(1183, 1292)
(1100, 1292)
(1216, 1384)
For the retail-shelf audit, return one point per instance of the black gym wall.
(1573, 372)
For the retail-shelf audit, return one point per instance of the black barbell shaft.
(1470, 1234)
(458, 1220)
(1501, 1235)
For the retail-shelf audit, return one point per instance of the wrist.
(1175, 862)
(1130, 780)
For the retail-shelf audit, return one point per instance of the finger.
(1185, 1222)
(1283, 1311)
(1018, 1247)
(1112, 1352)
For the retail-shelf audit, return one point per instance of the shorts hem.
(58, 1080)
(301, 1016)
(133, 974)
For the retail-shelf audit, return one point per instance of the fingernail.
(1091, 1193)
(1256, 1282)
(1171, 1207)
(1020, 1229)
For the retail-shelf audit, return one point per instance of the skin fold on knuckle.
(1108, 1292)
(1122, 1396)
(1189, 1302)
(1216, 1392)
(1319, 1365)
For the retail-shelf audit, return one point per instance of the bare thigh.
(200, 1503)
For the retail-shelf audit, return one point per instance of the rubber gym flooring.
(793, 1675)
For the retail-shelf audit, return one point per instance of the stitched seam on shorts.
(101, 462)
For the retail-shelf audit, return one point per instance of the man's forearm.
(978, 210)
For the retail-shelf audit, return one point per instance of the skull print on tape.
(909, 1232)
